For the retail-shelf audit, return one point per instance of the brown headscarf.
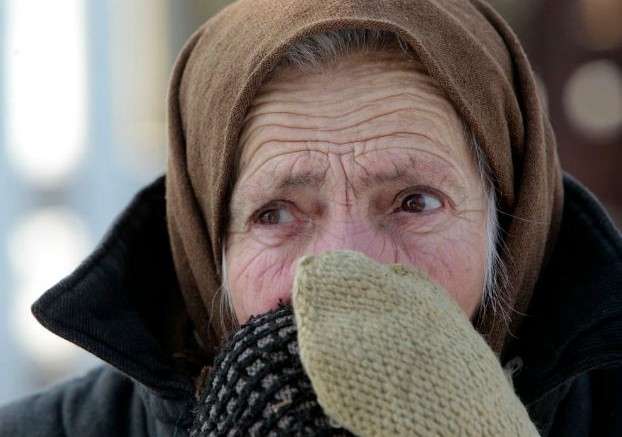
(465, 46)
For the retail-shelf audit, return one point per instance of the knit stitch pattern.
(389, 352)
(258, 386)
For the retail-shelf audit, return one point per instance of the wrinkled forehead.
(319, 74)
(359, 107)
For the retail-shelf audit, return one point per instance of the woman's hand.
(389, 352)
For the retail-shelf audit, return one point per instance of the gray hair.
(312, 54)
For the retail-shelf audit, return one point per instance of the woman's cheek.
(452, 250)
(455, 259)
(259, 279)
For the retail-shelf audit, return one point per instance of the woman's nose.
(358, 237)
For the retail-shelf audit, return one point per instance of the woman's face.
(367, 156)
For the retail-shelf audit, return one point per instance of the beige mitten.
(389, 353)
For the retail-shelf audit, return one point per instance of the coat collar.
(574, 323)
(122, 301)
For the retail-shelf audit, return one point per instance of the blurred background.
(82, 128)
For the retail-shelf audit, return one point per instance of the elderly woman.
(371, 189)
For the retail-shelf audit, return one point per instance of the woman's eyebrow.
(408, 169)
(314, 178)
(306, 179)
(382, 177)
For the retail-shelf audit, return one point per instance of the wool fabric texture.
(464, 45)
(389, 352)
(258, 388)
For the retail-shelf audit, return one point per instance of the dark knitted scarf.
(258, 386)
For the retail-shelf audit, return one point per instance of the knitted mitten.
(258, 387)
(389, 352)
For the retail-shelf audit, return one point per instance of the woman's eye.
(274, 216)
(420, 202)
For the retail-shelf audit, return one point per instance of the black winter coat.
(568, 353)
